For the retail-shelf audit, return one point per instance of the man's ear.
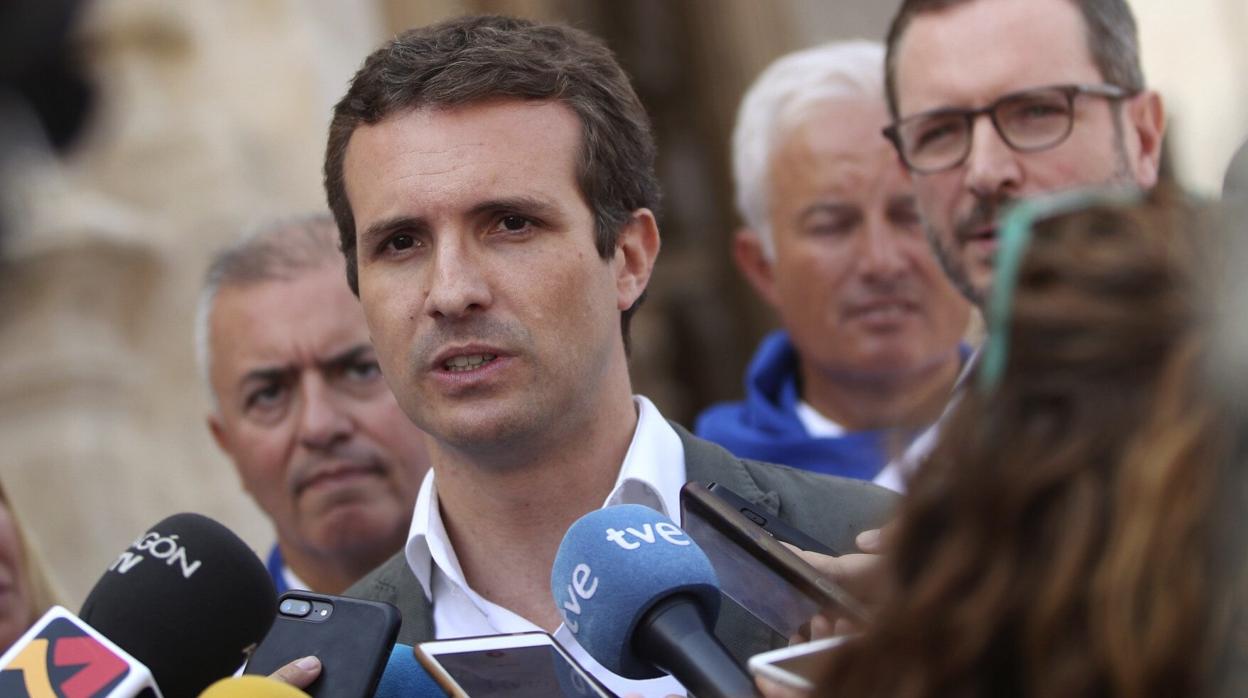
(217, 429)
(636, 249)
(751, 259)
(1146, 116)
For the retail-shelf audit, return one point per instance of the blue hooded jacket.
(765, 425)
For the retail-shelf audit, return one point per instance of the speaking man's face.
(495, 319)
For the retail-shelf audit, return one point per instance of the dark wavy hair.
(475, 59)
(1068, 535)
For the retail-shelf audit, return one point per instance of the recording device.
(183, 603)
(641, 598)
(188, 598)
(754, 568)
(251, 687)
(521, 665)
(796, 666)
(351, 637)
(404, 677)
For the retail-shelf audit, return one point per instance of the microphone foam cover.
(251, 687)
(404, 677)
(613, 565)
(187, 598)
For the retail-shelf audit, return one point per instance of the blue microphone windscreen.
(404, 677)
(614, 564)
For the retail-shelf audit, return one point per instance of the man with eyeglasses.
(996, 100)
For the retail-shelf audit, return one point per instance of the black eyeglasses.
(1027, 121)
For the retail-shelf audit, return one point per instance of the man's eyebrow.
(266, 374)
(343, 359)
(824, 207)
(529, 205)
(386, 226)
(902, 200)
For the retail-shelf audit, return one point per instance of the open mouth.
(467, 362)
(981, 235)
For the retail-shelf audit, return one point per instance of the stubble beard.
(988, 210)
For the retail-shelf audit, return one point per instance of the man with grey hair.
(870, 346)
(300, 406)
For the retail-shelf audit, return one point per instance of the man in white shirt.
(995, 101)
(493, 184)
(832, 241)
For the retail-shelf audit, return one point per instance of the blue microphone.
(641, 598)
(404, 677)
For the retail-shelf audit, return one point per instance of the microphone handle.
(674, 636)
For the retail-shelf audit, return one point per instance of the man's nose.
(458, 284)
(882, 257)
(324, 420)
(992, 166)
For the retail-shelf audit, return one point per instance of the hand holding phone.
(754, 567)
(350, 637)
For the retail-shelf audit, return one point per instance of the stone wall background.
(212, 115)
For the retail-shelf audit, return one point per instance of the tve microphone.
(62, 656)
(188, 598)
(641, 598)
(404, 677)
(251, 687)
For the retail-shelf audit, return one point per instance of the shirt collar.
(652, 474)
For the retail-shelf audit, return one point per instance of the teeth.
(467, 363)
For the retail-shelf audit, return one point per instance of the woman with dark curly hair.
(1072, 533)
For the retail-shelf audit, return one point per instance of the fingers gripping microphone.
(188, 599)
(642, 598)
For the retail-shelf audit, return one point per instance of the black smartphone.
(774, 525)
(520, 665)
(351, 637)
(754, 568)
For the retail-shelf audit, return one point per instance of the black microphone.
(188, 599)
(642, 598)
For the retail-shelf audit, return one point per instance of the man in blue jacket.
(832, 240)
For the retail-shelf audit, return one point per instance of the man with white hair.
(869, 349)
(300, 406)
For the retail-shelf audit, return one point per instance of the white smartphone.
(518, 666)
(796, 666)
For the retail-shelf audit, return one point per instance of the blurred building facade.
(213, 115)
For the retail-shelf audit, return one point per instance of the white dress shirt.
(652, 475)
(895, 475)
(816, 425)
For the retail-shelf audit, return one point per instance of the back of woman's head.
(1060, 539)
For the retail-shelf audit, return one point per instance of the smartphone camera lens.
(295, 607)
